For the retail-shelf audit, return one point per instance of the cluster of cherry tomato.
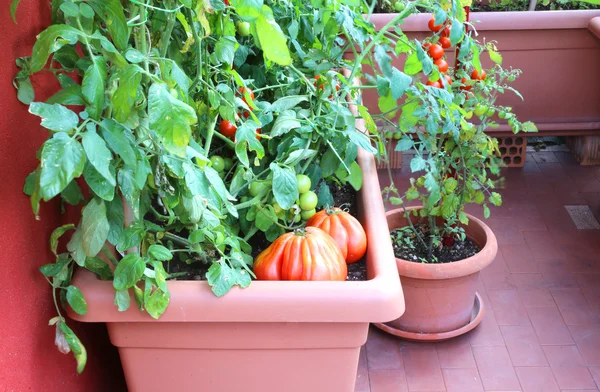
(436, 51)
(226, 128)
(319, 83)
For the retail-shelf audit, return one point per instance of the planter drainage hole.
(503, 150)
(508, 141)
(519, 141)
(513, 151)
(507, 160)
(583, 217)
(517, 160)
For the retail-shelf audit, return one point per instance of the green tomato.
(502, 114)
(303, 183)
(469, 115)
(480, 110)
(243, 28)
(398, 135)
(257, 187)
(490, 112)
(278, 210)
(306, 215)
(228, 163)
(388, 134)
(399, 6)
(218, 163)
(308, 201)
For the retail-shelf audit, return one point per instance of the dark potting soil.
(417, 253)
(343, 196)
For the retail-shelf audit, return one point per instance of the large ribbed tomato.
(305, 254)
(345, 229)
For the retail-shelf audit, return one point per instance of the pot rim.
(378, 299)
(456, 269)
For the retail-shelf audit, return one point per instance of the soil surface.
(343, 196)
(417, 252)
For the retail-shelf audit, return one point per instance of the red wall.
(29, 360)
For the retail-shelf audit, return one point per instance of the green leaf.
(124, 97)
(99, 267)
(265, 218)
(122, 300)
(362, 141)
(463, 218)
(159, 252)
(55, 117)
(129, 271)
(62, 160)
(272, 40)
(225, 49)
(72, 194)
(457, 32)
(75, 247)
(25, 92)
(93, 87)
(406, 143)
(221, 278)
(115, 215)
(113, 15)
(486, 211)
(30, 183)
(195, 180)
(53, 269)
(284, 123)
(98, 155)
(494, 56)
(248, 10)
(70, 95)
(355, 178)
(69, 9)
(76, 300)
(387, 103)
(57, 233)
(370, 124)
(13, 10)
(412, 193)
(75, 345)
(98, 183)
(115, 135)
(285, 187)
(45, 43)
(450, 185)
(131, 236)
(496, 199)
(413, 65)
(160, 275)
(171, 119)
(476, 61)
(287, 103)
(417, 164)
(156, 301)
(325, 196)
(94, 226)
(399, 82)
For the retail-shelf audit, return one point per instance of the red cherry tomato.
(445, 32)
(258, 131)
(445, 42)
(426, 46)
(227, 129)
(436, 51)
(245, 114)
(465, 87)
(441, 64)
(448, 79)
(477, 76)
(226, 2)
(433, 27)
(246, 89)
(436, 84)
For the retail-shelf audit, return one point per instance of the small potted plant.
(439, 247)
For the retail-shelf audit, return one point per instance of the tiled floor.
(541, 330)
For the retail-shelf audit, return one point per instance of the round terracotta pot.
(439, 298)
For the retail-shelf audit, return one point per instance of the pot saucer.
(478, 310)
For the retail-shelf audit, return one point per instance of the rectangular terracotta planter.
(558, 52)
(272, 336)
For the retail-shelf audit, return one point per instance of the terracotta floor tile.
(509, 236)
(549, 326)
(537, 379)
(587, 338)
(383, 350)
(543, 157)
(496, 275)
(523, 346)
(532, 290)
(362, 376)
(574, 308)
(569, 367)
(590, 287)
(518, 259)
(526, 210)
(462, 380)
(495, 368)
(387, 380)
(455, 353)
(508, 308)
(595, 371)
(543, 249)
(487, 333)
(423, 371)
